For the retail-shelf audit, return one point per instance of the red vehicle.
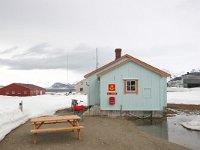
(77, 109)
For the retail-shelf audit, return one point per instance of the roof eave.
(134, 60)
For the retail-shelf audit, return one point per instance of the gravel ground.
(99, 133)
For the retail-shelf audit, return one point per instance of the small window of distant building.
(13, 92)
(25, 92)
(130, 86)
(7, 93)
(81, 89)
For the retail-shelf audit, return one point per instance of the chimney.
(117, 53)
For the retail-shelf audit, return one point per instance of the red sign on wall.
(111, 93)
(111, 87)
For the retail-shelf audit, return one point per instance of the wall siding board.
(146, 79)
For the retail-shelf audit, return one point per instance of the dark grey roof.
(176, 78)
(194, 73)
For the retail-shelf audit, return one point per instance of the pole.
(97, 58)
(67, 68)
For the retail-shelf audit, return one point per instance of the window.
(81, 89)
(25, 92)
(13, 92)
(130, 86)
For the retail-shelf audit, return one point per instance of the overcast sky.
(37, 36)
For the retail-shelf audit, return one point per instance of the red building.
(19, 89)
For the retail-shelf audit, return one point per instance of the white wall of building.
(81, 87)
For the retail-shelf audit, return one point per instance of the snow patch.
(183, 95)
(193, 125)
(10, 119)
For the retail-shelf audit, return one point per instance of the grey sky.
(41, 34)
(43, 56)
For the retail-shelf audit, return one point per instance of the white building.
(81, 87)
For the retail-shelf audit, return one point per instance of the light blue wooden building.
(127, 84)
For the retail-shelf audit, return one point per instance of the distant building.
(189, 80)
(81, 87)
(19, 89)
(175, 82)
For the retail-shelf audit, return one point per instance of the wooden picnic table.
(73, 121)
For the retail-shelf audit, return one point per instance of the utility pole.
(97, 63)
(67, 68)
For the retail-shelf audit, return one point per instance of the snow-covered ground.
(34, 106)
(186, 96)
(183, 95)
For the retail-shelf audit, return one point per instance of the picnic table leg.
(75, 123)
(72, 123)
(36, 126)
(78, 131)
(35, 138)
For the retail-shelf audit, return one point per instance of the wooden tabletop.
(55, 118)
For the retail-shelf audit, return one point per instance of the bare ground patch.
(187, 108)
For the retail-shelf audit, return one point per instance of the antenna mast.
(97, 63)
(67, 69)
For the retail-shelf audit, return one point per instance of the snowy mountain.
(61, 87)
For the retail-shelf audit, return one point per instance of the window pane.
(132, 88)
(128, 82)
(128, 88)
(132, 82)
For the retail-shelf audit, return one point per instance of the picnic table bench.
(73, 121)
